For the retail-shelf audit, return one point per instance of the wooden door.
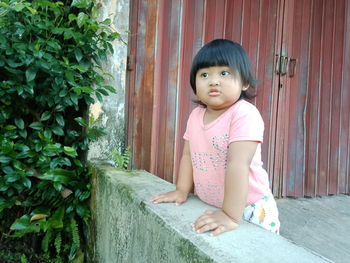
(312, 142)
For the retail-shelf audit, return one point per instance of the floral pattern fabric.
(263, 213)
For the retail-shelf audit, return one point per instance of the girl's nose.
(214, 82)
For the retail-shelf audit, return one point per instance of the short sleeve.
(247, 125)
(186, 136)
(190, 121)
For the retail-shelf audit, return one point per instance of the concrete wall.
(126, 227)
(110, 114)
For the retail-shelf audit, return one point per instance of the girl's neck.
(211, 115)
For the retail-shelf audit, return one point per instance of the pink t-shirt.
(209, 147)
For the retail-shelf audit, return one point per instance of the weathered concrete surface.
(111, 114)
(126, 227)
(321, 224)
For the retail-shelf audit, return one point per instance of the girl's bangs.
(211, 58)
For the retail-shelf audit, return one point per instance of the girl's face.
(218, 87)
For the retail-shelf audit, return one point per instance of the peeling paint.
(110, 114)
(96, 110)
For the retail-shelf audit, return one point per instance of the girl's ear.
(245, 87)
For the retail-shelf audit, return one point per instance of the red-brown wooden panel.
(314, 34)
(344, 137)
(191, 41)
(306, 149)
(337, 62)
(140, 86)
(165, 89)
(313, 102)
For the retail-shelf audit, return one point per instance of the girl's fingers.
(201, 222)
(209, 212)
(207, 227)
(158, 199)
(179, 201)
(163, 198)
(219, 230)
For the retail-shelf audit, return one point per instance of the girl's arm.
(184, 182)
(237, 178)
(239, 158)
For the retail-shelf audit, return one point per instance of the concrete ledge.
(126, 227)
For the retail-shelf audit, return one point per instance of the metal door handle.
(284, 65)
(281, 65)
(292, 65)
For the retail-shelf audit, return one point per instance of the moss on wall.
(126, 230)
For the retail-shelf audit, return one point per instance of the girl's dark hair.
(223, 52)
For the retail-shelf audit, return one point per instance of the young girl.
(222, 150)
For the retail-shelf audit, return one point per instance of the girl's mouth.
(214, 92)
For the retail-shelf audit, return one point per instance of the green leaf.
(19, 123)
(58, 131)
(81, 3)
(52, 147)
(87, 90)
(36, 125)
(46, 240)
(70, 151)
(31, 73)
(31, 10)
(58, 186)
(58, 175)
(11, 178)
(69, 76)
(81, 19)
(63, 93)
(110, 88)
(18, 6)
(107, 21)
(81, 121)
(104, 92)
(10, 127)
(45, 116)
(56, 220)
(26, 182)
(4, 159)
(23, 226)
(38, 147)
(54, 44)
(72, 17)
(60, 120)
(48, 134)
(78, 54)
(99, 97)
(14, 64)
(23, 133)
(18, 165)
(74, 98)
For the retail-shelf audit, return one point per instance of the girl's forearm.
(236, 190)
(185, 177)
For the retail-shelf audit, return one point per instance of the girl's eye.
(204, 75)
(225, 73)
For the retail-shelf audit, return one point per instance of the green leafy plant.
(121, 159)
(50, 72)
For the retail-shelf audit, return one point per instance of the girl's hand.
(215, 220)
(176, 196)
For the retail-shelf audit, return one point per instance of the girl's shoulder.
(244, 107)
(197, 111)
